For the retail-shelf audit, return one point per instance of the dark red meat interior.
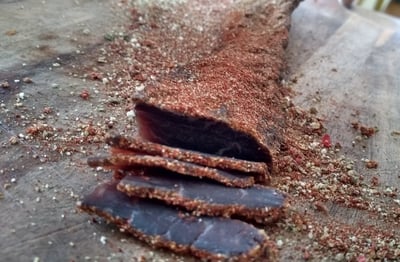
(203, 135)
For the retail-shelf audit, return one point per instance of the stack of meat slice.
(196, 178)
(186, 201)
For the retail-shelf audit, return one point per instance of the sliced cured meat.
(210, 238)
(130, 161)
(257, 203)
(120, 143)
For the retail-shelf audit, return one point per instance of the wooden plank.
(346, 67)
(354, 73)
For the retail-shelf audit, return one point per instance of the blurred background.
(391, 7)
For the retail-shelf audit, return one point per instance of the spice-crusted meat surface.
(224, 104)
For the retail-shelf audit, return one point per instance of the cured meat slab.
(228, 103)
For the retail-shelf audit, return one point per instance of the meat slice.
(130, 161)
(120, 143)
(257, 203)
(209, 238)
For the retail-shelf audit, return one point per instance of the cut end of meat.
(198, 134)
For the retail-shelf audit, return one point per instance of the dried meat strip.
(119, 143)
(209, 238)
(130, 161)
(226, 104)
(257, 203)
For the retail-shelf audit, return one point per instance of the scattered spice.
(47, 110)
(40, 129)
(84, 94)
(395, 133)
(96, 76)
(4, 84)
(27, 80)
(13, 140)
(371, 164)
(367, 131)
(364, 130)
(313, 111)
(374, 181)
(11, 32)
(326, 141)
(307, 255)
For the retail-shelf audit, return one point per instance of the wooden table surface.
(345, 64)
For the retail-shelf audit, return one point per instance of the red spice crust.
(238, 84)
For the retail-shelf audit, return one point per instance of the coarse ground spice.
(164, 37)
